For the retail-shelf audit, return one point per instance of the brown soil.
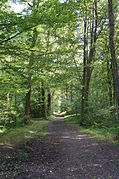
(64, 153)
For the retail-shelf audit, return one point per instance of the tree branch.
(13, 36)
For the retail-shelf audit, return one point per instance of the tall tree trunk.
(87, 71)
(28, 94)
(113, 54)
(92, 51)
(66, 93)
(71, 92)
(27, 106)
(88, 79)
(43, 100)
(84, 73)
(109, 78)
(49, 102)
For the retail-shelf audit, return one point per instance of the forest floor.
(65, 153)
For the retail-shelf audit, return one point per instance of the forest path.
(66, 153)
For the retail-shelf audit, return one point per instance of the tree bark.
(71, 92)
(28, 94)
(43, 101)
(49, 102)
(27, 106)
(92, 51)
(113, 54)
(88, 60)
(84, 74)
(110, 86)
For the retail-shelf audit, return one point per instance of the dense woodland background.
(60, 56)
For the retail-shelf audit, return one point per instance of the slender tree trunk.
(88, 79)
(27, 106)
(8, 101)
(87, 71)
(109, 78)
(8, 107)
(49, 102)
(66, 93)
(84, 74)
(92, 51)
(71, 92)
(113, 54)
(43, 100)
(28, 94)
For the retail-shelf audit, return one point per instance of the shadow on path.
(66, 153)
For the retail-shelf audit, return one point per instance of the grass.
(36, 128)
(51, 117)
(108, 133)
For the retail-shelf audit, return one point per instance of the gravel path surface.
(64, 153)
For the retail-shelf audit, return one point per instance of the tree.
(84, 69)
(113, 54)
(28, 94)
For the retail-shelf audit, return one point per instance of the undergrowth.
(104, 131)
(36, 128)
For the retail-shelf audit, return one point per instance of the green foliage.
(36, 128)
(22, 156)
(42, 50)
(51, 117)
(108, 131)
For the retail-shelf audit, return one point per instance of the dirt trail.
(64, 153)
